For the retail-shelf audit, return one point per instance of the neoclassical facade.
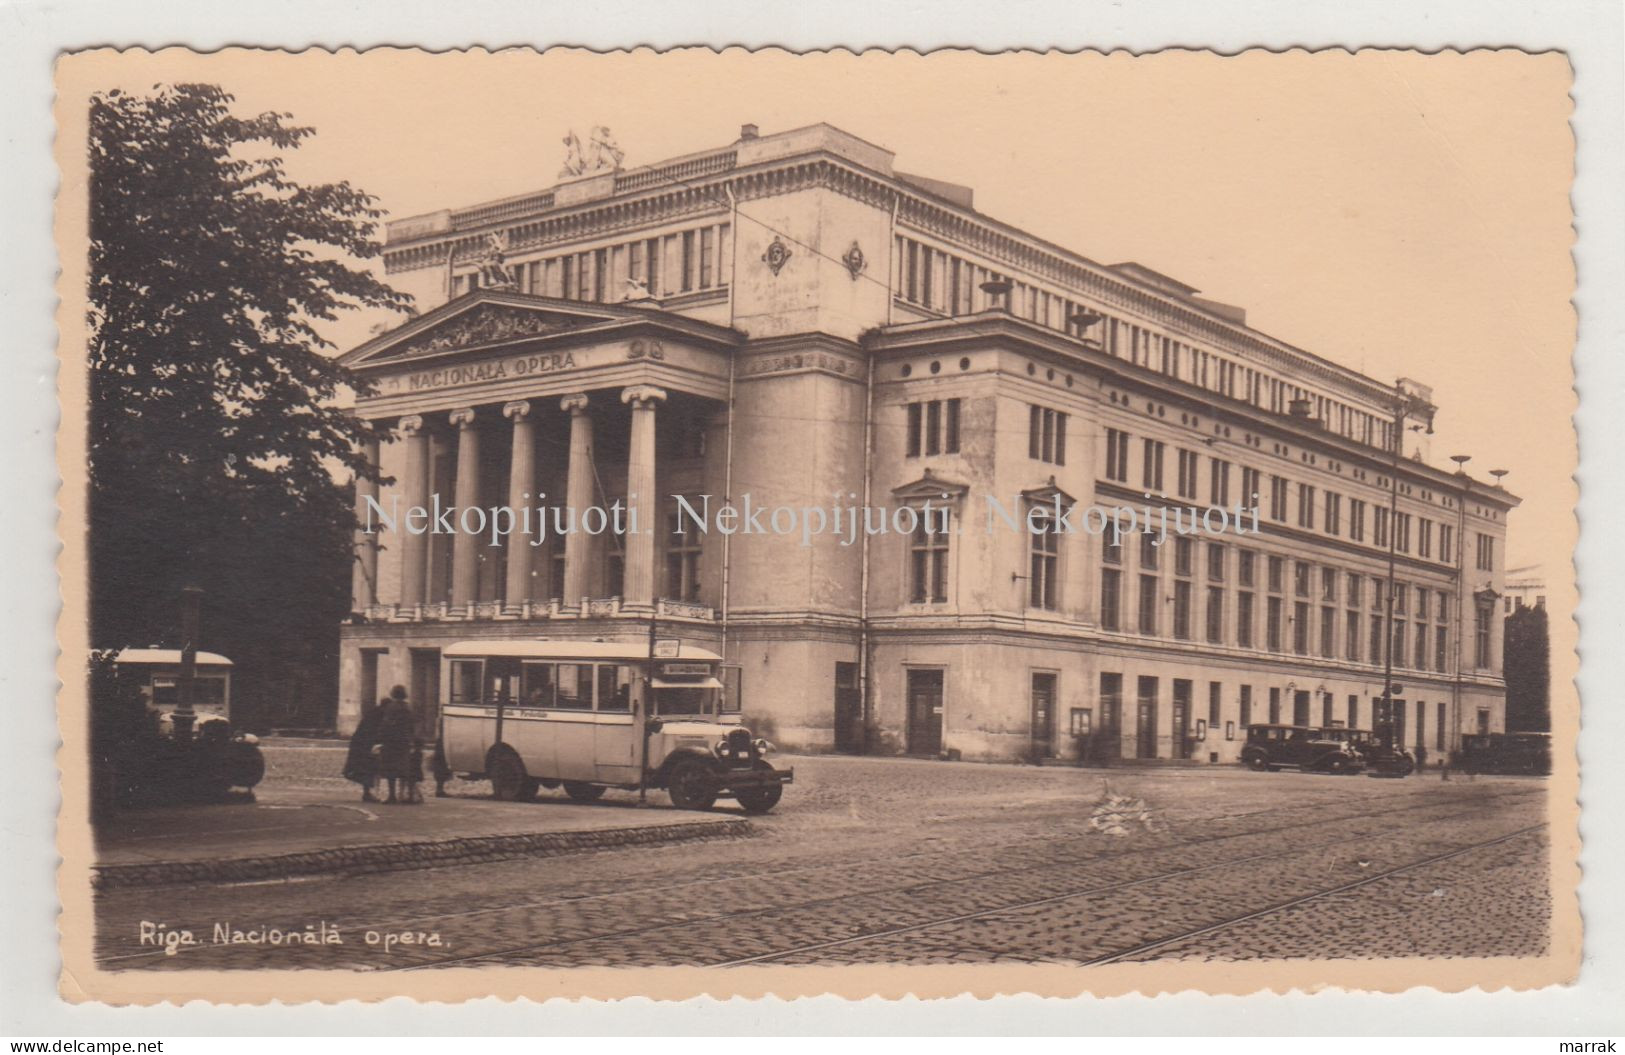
(790, 322)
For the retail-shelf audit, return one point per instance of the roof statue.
(599, 154)
(494, 272)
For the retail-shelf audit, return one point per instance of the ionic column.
(578, 493)
(638, 588)
(364, 579)
(414, 546)
(521, 490)
(465, 571)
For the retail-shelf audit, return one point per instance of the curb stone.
(388, 857)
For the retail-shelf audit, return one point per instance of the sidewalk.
(295, 829)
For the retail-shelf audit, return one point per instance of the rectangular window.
(688, 261)
(1116, 449)
(1045, 556)
(1187, 474)
(1328, 631)
(1246, 560)
(1046, 439)
(1272, 624)
(1483, 615)
(928, 554)
(1438, 728)
(1148, 604)
(1354, 585)
(933, 427)
(1486, 552)
(1354, 711)
(1215, 615)
(574, 686)
(1150, 553)
(1334, 513)
(1278, 498)
(1244, 620)
(1215, 561)
(1152, 470)
(1111, 703)
(1439, 633)
(1184, 556)
(1306, 505)
(1421, 652)
(1399, 643)
(1379, 527)
(1275, 706)
(1302, 575)
(1300, 628)
(1182, 610)
(1447, 538)
(682, 558)
(1218, 482)
(1251, 494)
(1351, 636)
(1246, 705)
(1356, 520)
(1277, 572)
(654, 266)
(1215, 692)
(1402, 532)
(1424, 538)
(1111, 591)
(1377, 652)
(1328, 584)
(1326, 718)
(615, 686)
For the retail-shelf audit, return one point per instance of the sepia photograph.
(556, 522)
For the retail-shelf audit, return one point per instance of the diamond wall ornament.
(855, 261)
(777, 255)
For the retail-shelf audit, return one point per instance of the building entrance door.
(848, 709)
(1182, 718)
(1300, 707)
(425, 690)
(1043, 723)
(1145, 720)
(925, 712)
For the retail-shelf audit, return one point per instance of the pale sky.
(1405, 215)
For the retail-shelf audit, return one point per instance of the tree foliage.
(214, 426)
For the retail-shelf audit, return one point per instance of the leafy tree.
(214, 429)
(1526, 659)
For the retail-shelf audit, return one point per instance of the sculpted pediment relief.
(481, 325)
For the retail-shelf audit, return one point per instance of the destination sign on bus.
(685, 668)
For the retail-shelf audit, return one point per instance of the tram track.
(1408, 806)
(499, 955)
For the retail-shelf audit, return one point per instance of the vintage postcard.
(559, 523)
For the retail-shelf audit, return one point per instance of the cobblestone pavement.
(927, 862)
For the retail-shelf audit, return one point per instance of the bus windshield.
(686, 699)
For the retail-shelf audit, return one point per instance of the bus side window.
(465, 682)
(536, 685)
(614, 687)
(575, 686)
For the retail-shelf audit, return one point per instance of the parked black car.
(1301, 747)
(1505, 753)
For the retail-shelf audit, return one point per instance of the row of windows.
(1308, 708)
(1335, 514)
(942, 282)
(674, 263)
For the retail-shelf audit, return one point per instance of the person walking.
(360, 763)
(395, 736)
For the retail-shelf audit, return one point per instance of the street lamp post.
(1404, 406)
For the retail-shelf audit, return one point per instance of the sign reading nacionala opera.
(489, 370)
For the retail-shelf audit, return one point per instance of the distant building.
(1525, 588)
(792, 318)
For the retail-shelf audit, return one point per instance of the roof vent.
(748, 132)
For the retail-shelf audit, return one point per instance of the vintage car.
(1505, 753)
(1301, 747)
(589, 715)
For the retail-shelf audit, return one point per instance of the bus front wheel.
(509, 781)
(690, 785)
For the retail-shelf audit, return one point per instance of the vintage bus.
(591, 715)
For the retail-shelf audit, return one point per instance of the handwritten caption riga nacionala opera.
(174, 939)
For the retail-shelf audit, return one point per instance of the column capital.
(410, 425)
(643, 395)
(574, 404)
(462, 417)
(518, 410)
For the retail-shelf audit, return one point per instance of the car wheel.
(689, 785)
(580, 792)
(761, 799)
(509, 781)
(1258, 764)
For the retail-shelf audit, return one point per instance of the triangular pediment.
(1049, 495)
(480, 320)
(930, 488)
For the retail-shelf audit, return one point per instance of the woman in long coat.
(395, 734)
(360, 764)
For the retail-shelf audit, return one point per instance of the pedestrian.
(413, 791)
(395, 738)
(360, 763)
(442, 771)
